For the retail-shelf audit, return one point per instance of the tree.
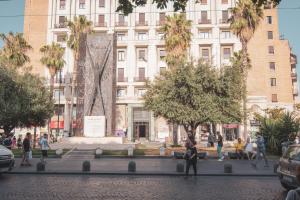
(177, 35)
(77, 27)
(13, 53)
(24, 101)
(245, 19)
(191, 95)
(126, 6)
(53, 59)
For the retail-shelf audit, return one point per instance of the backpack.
(7, 142)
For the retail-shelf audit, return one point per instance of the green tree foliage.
(191, 95)
(13, 53)
(53, 59)
(127, 6)
(24, 101)
(278, 126)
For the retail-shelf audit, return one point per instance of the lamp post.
(58, 101)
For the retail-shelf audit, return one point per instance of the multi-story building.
(140, 53)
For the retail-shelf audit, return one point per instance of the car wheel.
(286, 186)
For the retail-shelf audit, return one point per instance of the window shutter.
(120, 73)
(141, 17)
(162, 17)
(82, 1)
(101, 3)
(203, 16)
(225, 15)
(101, 19)
(274, 98)
(141, 72)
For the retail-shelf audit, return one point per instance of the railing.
(204, 21)
(121, 24)
(142, 23)
(101, 24)
(139, 79)
(122, 79)
(224, 21)
(60, 25)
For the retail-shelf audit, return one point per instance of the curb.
(140, 174)
(138, 157)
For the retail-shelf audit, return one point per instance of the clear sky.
(289, 20)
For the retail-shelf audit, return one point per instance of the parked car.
(7, 159)
(287, 167)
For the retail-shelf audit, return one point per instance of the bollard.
(86, 166)
(130, 151)
(98, 153)
(131, 166)
(180, 167)
(227, 168)
(59, 153)
(40, 167)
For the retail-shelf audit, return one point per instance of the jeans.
(258, 157)
(219, 150)
(188, 165)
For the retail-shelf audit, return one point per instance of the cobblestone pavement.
(36, 187)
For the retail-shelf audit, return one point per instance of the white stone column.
(130, 122)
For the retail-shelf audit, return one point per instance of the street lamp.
(58, 101)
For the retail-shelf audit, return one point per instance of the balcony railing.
(224, 21)
(101, 24)
(122, 24)
(204, 21)
(141, 23)
(160, 22)
(60, 25)
(122, 79)
(140, 79)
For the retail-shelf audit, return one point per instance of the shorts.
(45, 153)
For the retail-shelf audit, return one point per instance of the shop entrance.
(141, 118)
(141, 129)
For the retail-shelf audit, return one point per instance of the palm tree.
(53, 59)
(13, 53)
(177, 35)
(78, 26)
(244, 21)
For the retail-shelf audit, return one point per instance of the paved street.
(36, 187)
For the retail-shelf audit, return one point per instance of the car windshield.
(292, 153)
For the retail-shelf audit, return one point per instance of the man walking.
(44, 147)
(261, 150)
(26, 150)
(219, 147)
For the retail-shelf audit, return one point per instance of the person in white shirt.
(44, 147)
(249, 149)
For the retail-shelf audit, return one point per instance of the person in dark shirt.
(26, 150)
(191, 158)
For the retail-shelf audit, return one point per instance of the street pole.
(58, 102)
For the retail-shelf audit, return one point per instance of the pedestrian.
(239, 148)
(8, 142)
(14, 142)
(295, 194)
(44, 147)
(249, 150)
(19, 142)
(191, 157)
(26, 150)
(261, 150)
(220, 146)
(211, 140)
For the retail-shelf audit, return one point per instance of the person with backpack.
(191, 156)
(8, 142)
(261, 150)
(44, 147)
(295, 194)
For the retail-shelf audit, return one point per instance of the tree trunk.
(245, 74)
(175, 133)
(34, 137)
(74, 74)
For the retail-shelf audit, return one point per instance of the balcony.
(293, 60)
(121, 24)
(122, 79)
(141, 23)
(140, 79)
(204, 21)
(60, 25)
(160, 22)
(294, 76)
(295, 91)
(223, 21)
(101, 24)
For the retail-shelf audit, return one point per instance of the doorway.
(141, 129)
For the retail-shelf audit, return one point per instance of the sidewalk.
(146, 166)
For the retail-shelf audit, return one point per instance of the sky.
(289, 20)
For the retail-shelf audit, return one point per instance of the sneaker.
(220, 160)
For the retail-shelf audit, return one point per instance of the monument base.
(94, 126)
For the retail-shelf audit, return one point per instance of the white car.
(7, 159)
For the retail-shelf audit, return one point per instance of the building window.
(162, 18)
(203, 2)
(58, 93)
(62, 20)
(162, 54)
(269, 19)
(270, 35)
(121, 36)
(162, 69)
(271, 49)
(141, 19)
(121, 55)
(81, 4)
(121, 74)
(204, 16)
(101, 20)
(272, 66)
(61, 38)
(224, 19)
(140, 92)
(142, 36)
(226, 53)
(101, 3)
(205, 54)
(225, 34)
(160, 35)
(274, 98)
(142, 54)
(62, 4)
(121, 92)
(224, 1)
(273, 81)
(204, 34)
